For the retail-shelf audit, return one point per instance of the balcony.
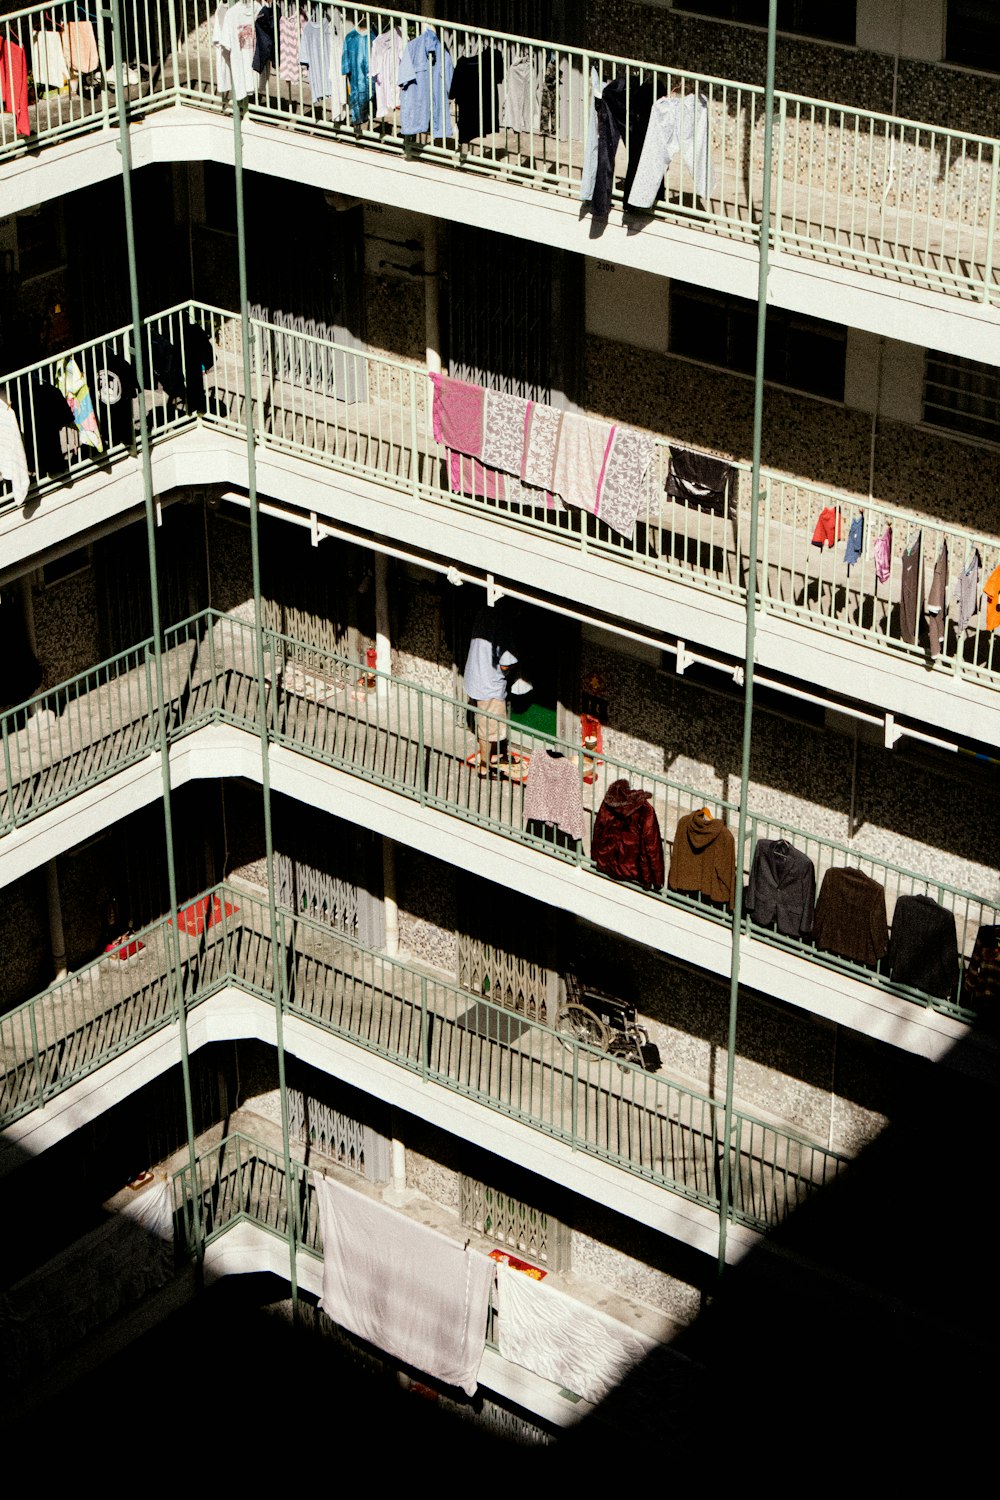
(645, 1125)
(318, 408)
(904, 203)
(410, 746)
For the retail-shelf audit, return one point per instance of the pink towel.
(458, 414)
(468, 477)
(883, 555)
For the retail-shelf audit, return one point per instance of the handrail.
(356, 412)
(318, 710)
(856, 187)
(647, 1124)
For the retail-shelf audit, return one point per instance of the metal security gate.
(332, 872)
(500, 321)
(503, 956)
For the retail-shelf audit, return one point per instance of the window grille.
(962, 395)
(513, 1225)
(348, 1142)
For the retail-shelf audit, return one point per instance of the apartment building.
(270, 920)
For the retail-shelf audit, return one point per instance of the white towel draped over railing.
(404, 1287)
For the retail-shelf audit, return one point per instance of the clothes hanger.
(706, 812)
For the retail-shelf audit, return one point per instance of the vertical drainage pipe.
(726, 1186)
(278, 959)
(172, 930)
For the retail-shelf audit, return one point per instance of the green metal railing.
(893, 197)
(644, 1123)
(358, 413)
(414, 741)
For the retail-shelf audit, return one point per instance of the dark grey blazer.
(782, 888)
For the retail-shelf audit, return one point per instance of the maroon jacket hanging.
(627, 843)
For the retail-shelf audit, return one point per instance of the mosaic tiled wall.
(421, 652)
(66, 627)
(802, 437)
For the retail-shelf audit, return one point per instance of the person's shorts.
(490, 728)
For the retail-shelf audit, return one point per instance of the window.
(828, 23)
(972, 34)
(963, 395)
(806, 354)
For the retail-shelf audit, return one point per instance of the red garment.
(627, 842)
(14, 84)
(827, 527)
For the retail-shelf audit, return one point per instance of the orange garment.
(991, 588)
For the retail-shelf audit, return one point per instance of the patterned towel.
(581, 456)
(504, 421)
(625, 479)
(71, 381)
(458, 414)
(541, 437)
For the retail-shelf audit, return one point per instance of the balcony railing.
(896, 198)
(365, 414)
(397, 735)
(644, 1123)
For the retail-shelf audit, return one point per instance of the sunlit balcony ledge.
(596, 586)
(221, 751)
(892, 308)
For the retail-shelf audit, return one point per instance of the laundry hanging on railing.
(936, 608)
(475, 92)
(678, 123)
(355, 64)
(402, 1286)
(966, 595)
(923, 948)
(72, 383)
(850, 917)
(883, 556)
(579, 1348)
(553, 795)
(521, 94)
(855, 542)
(49, 70)
(911, 591)
(781, 891)
(13, 461)
(507, 447)
(607, 121)
(14, 83)
(113, 386)
(703, 859)
(991, 589)
(425, 76)
(321, 53)
(46, 415)
(237, 41)
(626, 842)
(289, 45)
(263, 52)
(386, 57)
(827, 531)
(699, 479)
